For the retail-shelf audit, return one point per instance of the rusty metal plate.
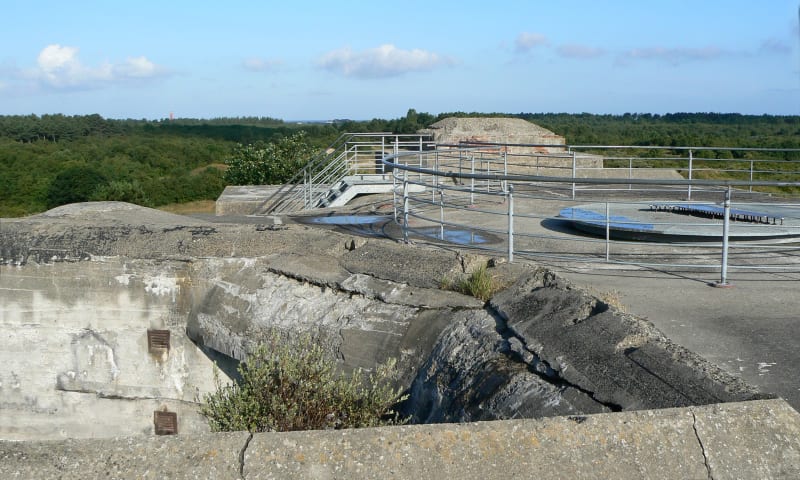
(157, 340)
(166, 423)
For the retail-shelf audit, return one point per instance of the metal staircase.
(351, 165)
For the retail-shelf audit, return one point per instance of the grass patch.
(198, 206)
(480, 284)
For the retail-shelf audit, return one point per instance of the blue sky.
(375, 59)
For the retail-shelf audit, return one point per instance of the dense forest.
(50, 160)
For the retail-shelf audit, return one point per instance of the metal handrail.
(463, 183)
(311, 185)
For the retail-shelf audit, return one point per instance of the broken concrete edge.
(756, 439)
(513, 307)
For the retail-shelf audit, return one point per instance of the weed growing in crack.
(288, 386)
(480, 284)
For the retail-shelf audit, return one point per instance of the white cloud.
(59, 67)
(136, 67)
(579, 51)
(384, 61)
(673, 56)
(526, 41)
(262, 64)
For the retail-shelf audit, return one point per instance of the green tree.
(75, 184)
(122, 191)
(268, 164)
(287, 386)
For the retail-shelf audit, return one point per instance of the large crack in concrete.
(538, 366)
(242, 453)
(702, 447)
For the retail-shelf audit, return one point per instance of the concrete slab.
(243, 199)
(759, 439)
(749, 330)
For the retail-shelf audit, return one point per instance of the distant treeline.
(43, 159)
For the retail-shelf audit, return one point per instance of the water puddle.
(455, 235)
(346, 219)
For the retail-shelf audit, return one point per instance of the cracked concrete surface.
(243, 453)
(757, 439)
(700, 442)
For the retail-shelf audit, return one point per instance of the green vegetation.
(287, 386)
(75, 184)
(151, 163)
(155, 163)
(479, 284)
(268, 164)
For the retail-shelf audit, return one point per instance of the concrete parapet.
(243, 199)
(757, 439)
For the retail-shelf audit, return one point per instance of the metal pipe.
(689, 187)
(394, 195)
(405, 206)
(472, 181)
(510, 195)
(608, 232)
(574, 171)
(726, 225)
(441, 212)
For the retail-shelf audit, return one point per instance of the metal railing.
(509, 203)
(351, 154)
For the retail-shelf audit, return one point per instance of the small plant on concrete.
(287, 386)
(480, 284)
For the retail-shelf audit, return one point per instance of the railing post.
(420, 156)
(488, 172)
(726, 225)
(574, 173)
(510, 195)
(460, 165)
(394, 194)
(472, 181)
(608, 231)
(751, 176)
(689, 188)
(441, 212)
(505, 167)
(405, 206)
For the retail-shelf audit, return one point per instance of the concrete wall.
(748, 440)
(549, 158)
(75, 353)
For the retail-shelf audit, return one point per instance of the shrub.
(268, 164)
(75, 184)
(287, 386)
(122, 191)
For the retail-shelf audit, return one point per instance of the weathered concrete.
(243, 199)
(454, 130)
(759, 439)
(540, 348)
(75, 354)
(634, 366)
